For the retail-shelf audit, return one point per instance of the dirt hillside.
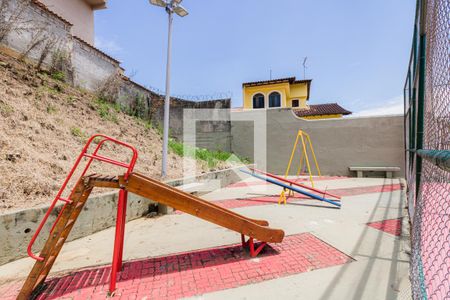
(45, 123)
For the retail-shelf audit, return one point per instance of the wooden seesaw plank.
(170, 196)
(296, 183)
(295, 189)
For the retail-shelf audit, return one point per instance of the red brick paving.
(195, 273)
(268, 200)
(366, 190)
(392, 226)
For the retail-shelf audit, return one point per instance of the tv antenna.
(304, 67)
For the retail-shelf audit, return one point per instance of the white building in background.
(80, 13)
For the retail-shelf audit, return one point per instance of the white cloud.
(107, 45)
(393, 106)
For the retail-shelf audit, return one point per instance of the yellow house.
(288, 93)
(276, 93)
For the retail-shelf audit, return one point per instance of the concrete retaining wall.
(222, 177)
(17, 228)
(338, 143)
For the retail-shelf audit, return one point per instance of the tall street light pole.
(172, 6)
(167, 100)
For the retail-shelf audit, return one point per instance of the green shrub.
(51, 109)
(97, 140)
(61, 68)
(6, 110)
(58, 75)
(148, 125)
(117, 107)
(137, 108)
(75, 131)
(159, 129)
(106, 110)
(212, 158)
(176, 147)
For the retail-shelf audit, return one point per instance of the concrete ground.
(328, 253)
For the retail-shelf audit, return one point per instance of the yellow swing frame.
(301, 136)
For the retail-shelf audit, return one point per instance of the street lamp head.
(161, 3)
(180, 10)
(171, 6)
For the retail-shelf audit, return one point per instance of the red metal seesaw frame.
(251, 245)
(121, 208)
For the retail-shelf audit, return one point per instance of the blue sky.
(357, 51)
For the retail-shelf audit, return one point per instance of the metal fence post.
(420, 107)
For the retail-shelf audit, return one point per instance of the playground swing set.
(137, 184)
(291, 186)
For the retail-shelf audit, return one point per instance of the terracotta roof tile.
(290, 80)
(273, 81)
(321, 110)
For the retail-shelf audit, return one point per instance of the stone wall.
(338, 143)
(91, 67)
(33, 29)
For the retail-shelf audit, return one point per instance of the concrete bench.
(388, 170)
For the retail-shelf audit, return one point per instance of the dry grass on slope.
(45, 123)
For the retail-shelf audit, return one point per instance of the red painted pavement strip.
(300, 180)
(392, 226)
(367, 189)
(195, 273)
(269, 200)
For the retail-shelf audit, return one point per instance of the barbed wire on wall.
(155, 90)
(206, 97)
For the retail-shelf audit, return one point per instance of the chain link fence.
(427, 136)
